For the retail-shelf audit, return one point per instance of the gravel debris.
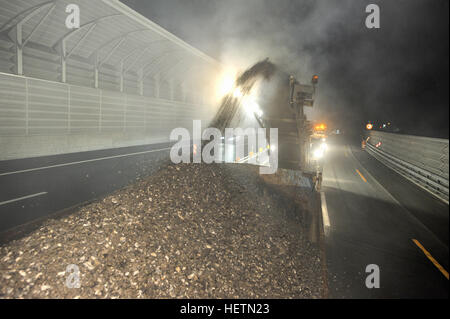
(188, 231)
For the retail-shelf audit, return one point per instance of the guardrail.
(422, 160)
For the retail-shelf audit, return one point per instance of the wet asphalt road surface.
(34, 188)
(374, 215)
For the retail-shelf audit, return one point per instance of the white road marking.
(325, 217)
(21, 198)
(81, 162)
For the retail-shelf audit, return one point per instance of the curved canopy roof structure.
(111, 35)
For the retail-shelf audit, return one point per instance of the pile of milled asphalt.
(189, 231)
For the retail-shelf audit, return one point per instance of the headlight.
(324, 146)
(318, 153)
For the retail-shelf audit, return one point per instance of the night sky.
(398, 73)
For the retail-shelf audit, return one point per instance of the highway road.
(33, 188)
(371, 215)
(374, 216)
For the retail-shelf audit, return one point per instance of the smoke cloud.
(398, 73)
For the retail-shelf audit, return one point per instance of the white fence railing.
(39, 107)
(40, 117)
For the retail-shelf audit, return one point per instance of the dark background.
(398, 73)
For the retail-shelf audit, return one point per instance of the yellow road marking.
(361, 175)
(434, 261)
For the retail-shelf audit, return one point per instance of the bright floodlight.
(226, 82)
(318, 153)
(237, 93)
(251, 107)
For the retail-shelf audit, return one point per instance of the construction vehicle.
(319, 130)
(281, 99)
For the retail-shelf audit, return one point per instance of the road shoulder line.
(82, 162)
(325, 216)
(22, 198)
